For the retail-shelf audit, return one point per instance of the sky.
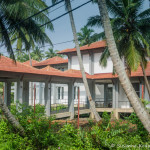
(62, 28)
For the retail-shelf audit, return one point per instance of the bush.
(42, 134)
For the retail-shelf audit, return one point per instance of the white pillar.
(47, 96)
(114, 95)
(7, 93)
(40, 93)
(23, 92)
(91, 63)
(117, 94)
(69, 62)
(15, 92)
(19, 93)
(71, 99)
(26, 93)
(54, 94)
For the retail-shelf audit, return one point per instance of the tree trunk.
(11, 118)
(145, 78)
(31, 82)
(137, 105)
(30, 59)
(92, 103)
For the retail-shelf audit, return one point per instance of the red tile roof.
(49, 68)
(103, 76)
(76, 73)
(137, 73)
(52, 61)
(8, 65)
(95, 45)
(28, 62)
(73, 71)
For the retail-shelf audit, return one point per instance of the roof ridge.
(94, 45)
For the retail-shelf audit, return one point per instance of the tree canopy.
(130, 27)
(28, 32)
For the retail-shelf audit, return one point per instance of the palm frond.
(95, 21)
(103, 59)
(5, 37)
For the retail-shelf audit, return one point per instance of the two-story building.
(105, 87)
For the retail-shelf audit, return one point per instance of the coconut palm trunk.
(92, 103)
(145, 78)
(11, 118)
(31, 82)
(137, 105)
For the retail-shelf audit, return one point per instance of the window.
(60, 93)
(76, 89)
(136, 88)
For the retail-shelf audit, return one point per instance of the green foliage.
(28, 33)
(10, 140)
(58, 107)
(145, 102)
(140, 128)
(37, 54)
(130, 27)
(38, 128)
(86, 36)
(52, 53)
(42, 134)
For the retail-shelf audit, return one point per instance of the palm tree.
(137, 105)
(86, 36)
(131, 33)
(12, 12)
(21, 55)
(92, 104)
(37, 54)
(52, 53)
(11, 118)
(28, 32)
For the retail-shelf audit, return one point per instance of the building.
(57, 82)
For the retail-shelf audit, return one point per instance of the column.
(105, 95)
(23, 93)
(7, 93)
(47, 97)
(92, 91)
(54, 94)
(15, 92)
(114, 95)
(25, 99)
(69, 62)
(117, 94)
(40, 93)
(115, 104)
(19, 94)
(71, 99)
(91, 63)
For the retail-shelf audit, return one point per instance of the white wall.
(86, 63)
(54, 94)
(75, 63)
(123, 100)
(100, 69)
